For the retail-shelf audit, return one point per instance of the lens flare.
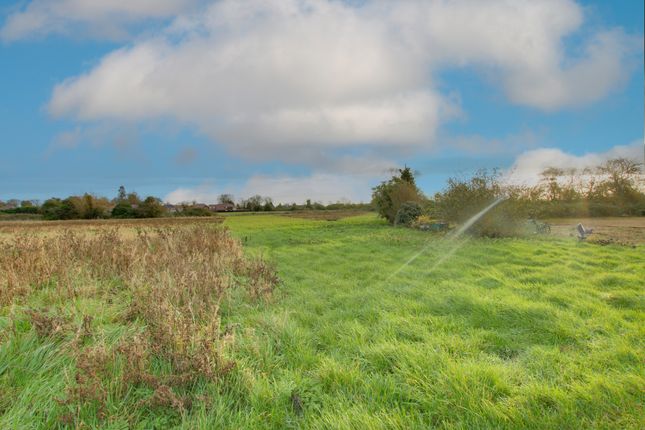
(451, 239)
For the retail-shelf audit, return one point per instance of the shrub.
(407, 213)
(151, 207)
(507, 219)
(466, 197)
(389, 196)
(123, 209)
(51, 209)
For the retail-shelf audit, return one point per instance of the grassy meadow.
(535, 333)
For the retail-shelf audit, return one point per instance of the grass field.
(536, 333)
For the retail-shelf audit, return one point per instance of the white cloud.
(99, 18)
(522, 44)
(326, 188)
(589, 79)
(205, 193)
(528, 166)
(267, 78)
(320, 187)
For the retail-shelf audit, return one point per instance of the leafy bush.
(151, 207)
(123, 209)
(389, 196)
(51, 209)
(407, 213)
(464, 198)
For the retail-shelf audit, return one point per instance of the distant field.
(331, 215)
(539, 333)
(629, 230)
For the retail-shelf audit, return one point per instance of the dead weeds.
(177, 278)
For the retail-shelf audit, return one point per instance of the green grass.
(509, 333)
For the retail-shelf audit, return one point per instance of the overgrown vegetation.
(464, 198)
(171, 283)
(614, 188)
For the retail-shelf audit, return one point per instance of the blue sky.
(186, 99)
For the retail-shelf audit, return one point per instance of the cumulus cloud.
(528, 166)
(521, 43)
(267, 78)
(99, 18)
(588, 79)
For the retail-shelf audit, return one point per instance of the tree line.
(131, 205)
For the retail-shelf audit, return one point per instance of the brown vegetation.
(176, 278)
(14, 226)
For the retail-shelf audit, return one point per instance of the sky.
(319, 99)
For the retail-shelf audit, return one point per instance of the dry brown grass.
(176, 277)
(17, 226)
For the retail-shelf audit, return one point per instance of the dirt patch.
(325, 215)
(625, 230)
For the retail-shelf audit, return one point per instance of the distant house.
(171, 208)
(222, 207)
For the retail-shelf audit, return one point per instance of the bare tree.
(226, 198)
(622, 176)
